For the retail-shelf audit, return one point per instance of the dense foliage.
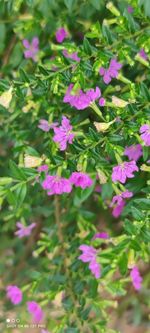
(75, 163)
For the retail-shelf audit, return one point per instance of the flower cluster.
(73, 56)
(63, 134)
(43, 168)
(14, 294)
(45, 126)
(101, 235)
(111, 72)
(59, 185)
(24, 231)
(81, 100)
(61, 34)
(136, 278)
(56, 185)
(145, 134)
(80, 179)
(31, 48)
(118, 202)
(123, 171)
(133, 152)
(35, 310)
(89, 255)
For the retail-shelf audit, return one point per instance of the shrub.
(75, 137)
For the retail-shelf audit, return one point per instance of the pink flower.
(81, 100)
(63, 134)
(73, 56)
(102, 235)
(111, 72)
(44, 331)
(89, 255)
(130, 9)
(32, 49)
(145, 130)
(134, 152)
(43, 168)
(24, 231)
(14, 294)
(102, 101)
(35, 310)
(61, 34)
(136, 278)
(80, 179)
(143, 54)
(95, 268)
(45, 126)
(118, 202)
(123, 171)
(56, 185)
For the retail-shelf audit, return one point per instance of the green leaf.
(96, 4)
(23, 75)
(142, 203)
(137, 214)
(11, 197)
(20, 194)
(146, 5)
(135, 245)
(123, 262)
(107, 34)
(129, 227)
(16, 56)
(5, 180)
(145, 153)
(16, 172)
(87, 46)
(82, 195)
(70, 4)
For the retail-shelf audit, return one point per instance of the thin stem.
(63, 251)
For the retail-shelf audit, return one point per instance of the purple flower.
(14, 294)
(136, 278)
(123, 171)
(73, 56)
(81, 100)
(111, 72)
(31, 49)
(102, 101)
(145, 131)
(56, 185)
(130, 9)
(95, 268)
(24, 231)
(80, 179)
(45, 126)
(61, 34)
(35, 310)
(102, 235)
(134, 152)
(142, 54)
(89, 255)
(63, 134)
(118, 202)
(43, 168)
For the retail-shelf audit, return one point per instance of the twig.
(7, 52)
